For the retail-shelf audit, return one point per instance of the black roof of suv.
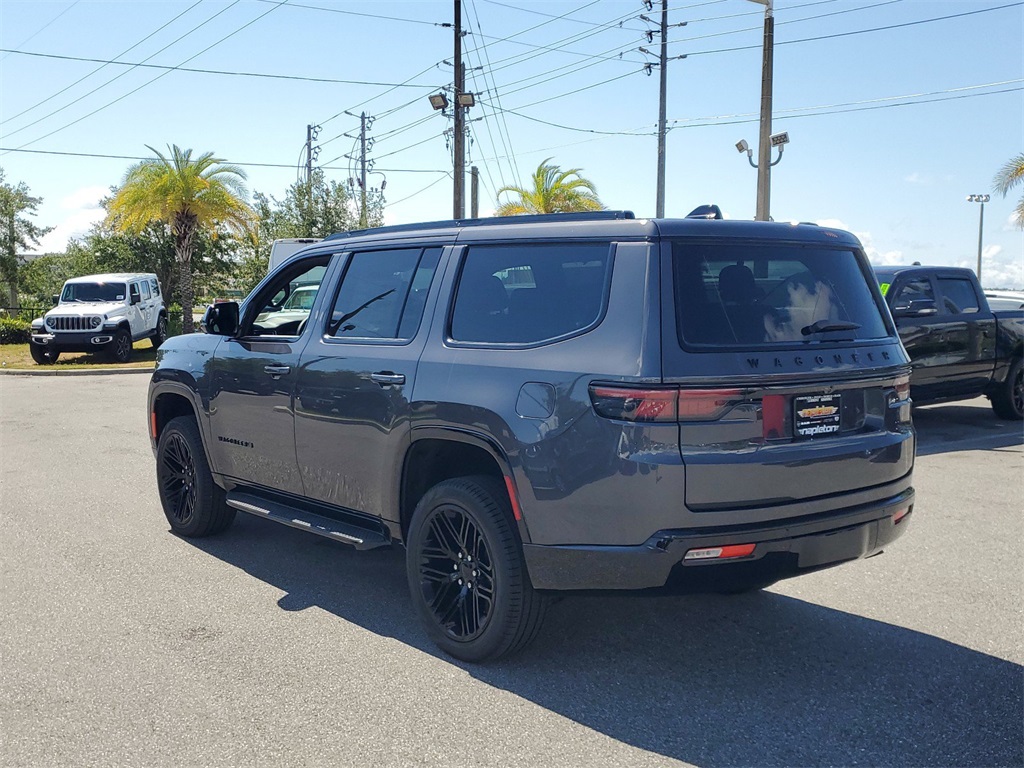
(539, 404)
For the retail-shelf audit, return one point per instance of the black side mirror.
(134, 299)
(915, 308)
(54, 299)
(221, 319)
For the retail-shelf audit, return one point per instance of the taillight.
(900, 399)
(635, 404)
(720, 553)
(706, 404)
(664, 404)
(903, 387)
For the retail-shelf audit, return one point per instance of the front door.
(253, 383)
(352, 408)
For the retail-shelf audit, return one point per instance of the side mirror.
(915, 308)
(221, 319)
(54, 299)
(134, 299)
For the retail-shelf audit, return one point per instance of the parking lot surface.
(122, 644)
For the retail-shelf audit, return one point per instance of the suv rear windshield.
(740, 295)
(93, 292)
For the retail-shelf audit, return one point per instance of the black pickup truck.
(958, 346)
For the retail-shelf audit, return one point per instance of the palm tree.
(1009, 176)
(554, 191)
(188, 195)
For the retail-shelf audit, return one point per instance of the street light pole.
(764, 149)
(981, 223)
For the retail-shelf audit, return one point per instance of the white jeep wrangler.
(101, 313)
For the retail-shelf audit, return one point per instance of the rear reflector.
(773, 415)
(720, 553)
(900, 515)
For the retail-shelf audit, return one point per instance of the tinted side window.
(285, 304)
(155, 286)
(145, 290)
(529, 293)
(958, 296)
(383, 293)
(913, 290)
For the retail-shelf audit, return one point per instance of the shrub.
(14, 331)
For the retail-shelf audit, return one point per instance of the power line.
(374, 98)
(358, 13)
(418, 192)
(47, 24)
(150, 82)
(863, 31)
(102, 156)
(122, 74)
(103, 63)
(268, 75)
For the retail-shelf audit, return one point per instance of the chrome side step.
(347, 533)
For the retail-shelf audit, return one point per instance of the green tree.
(318, 211)
(1009, 176)
(17, 232)
(190, 196)
(553, 191)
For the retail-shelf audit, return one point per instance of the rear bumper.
(782, 550)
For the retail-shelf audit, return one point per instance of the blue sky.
(895, 113)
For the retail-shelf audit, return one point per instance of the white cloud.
(916, 178)
(1012, 223)
(991, 251)
(875, 256)
(83, 210)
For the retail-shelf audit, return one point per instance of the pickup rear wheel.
(466, 571)
(43, 355)
(194, 505)
(120, 348)
(1008, 400)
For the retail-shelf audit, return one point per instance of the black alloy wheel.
(178, 479)
(456, 573)
(466, 572)
(193, 504)
(1008, 400)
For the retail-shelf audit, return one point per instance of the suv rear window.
(739, 295)
(530, 293)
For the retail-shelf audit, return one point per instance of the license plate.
(816, 415)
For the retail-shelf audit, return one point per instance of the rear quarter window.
(750, 296)
(525, 294)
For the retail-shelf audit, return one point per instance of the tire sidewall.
(116, 346)
(509, 570)
(1016, 370)
(186, 428)
(43, 355)
(160, 334)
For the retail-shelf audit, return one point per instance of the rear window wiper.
(824, 326)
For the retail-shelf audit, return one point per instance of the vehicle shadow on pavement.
(759, 679)
(958, 427)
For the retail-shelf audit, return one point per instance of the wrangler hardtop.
(543, 404)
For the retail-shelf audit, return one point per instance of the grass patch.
(17, 357)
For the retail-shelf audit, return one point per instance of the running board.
(347, 533)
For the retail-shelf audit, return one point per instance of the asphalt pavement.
(121, 644)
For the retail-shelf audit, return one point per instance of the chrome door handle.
(277, 370)
(386, 377)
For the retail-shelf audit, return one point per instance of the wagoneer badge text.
(839, 358)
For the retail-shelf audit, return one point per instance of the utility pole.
(309, 170)
(663, 90)
(459, 207)
(363, 222)
(764, 147)
(474, 193)
(981, 224)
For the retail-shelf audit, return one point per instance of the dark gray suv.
(541, 404)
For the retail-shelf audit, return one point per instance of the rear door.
(969, 338)
(352, 412)
(789, 372)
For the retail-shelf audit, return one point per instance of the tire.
(195, 506)
(120, 349)
(1008, 400)
(160, 334)
(463, 529)
(43, 355)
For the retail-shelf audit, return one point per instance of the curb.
(85, 372)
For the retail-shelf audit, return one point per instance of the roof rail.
(491, 221)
